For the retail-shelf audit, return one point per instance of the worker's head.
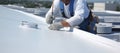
(66, 1)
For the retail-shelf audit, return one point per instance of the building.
(105, 6)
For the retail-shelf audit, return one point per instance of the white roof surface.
(16, 39)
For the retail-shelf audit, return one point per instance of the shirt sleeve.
(81, 11)
(54, 8)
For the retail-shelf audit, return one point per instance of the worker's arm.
(52, 11)
(78, 17)
(80, 13)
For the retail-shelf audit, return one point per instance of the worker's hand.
(56, 26)
(49, 19)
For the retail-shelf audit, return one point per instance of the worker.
(76, 13)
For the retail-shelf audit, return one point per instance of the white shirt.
(66, 10)
(81, 11)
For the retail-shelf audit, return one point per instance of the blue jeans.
(84, 26)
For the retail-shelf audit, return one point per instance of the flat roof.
(17, 39)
